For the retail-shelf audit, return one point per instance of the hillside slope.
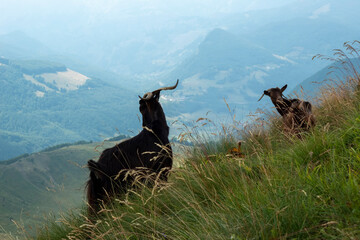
(51, 181)
(281, 187)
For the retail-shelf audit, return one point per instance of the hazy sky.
(123, 34)
(25, 14)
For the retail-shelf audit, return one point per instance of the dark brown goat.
(297, 114)
(148, 153)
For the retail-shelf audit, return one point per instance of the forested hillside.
(44, 103)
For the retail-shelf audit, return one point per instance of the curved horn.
(149, 95)
(167, 88)
(261, 97)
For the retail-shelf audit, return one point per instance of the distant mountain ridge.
(328, 76)
(18, 45)
(238, 65)
(35, 67)
(228, 67)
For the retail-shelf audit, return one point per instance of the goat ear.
(283, 88)
(157, 96)
(95, 169)
(266, 92)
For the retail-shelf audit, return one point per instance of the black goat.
(297, 114)
(148, 153)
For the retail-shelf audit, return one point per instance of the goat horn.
(167, 88)
(261, 97)
(149, 95)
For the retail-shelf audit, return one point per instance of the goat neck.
(153, 117)
(281, 104)
(152, 112)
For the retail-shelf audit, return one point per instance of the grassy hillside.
(42, 185)
(53, 180)
(283, 188)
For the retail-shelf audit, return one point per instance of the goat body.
(297, 114)
(147, 154)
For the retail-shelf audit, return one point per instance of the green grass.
(305, 189)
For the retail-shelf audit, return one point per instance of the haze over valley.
(71, 72)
